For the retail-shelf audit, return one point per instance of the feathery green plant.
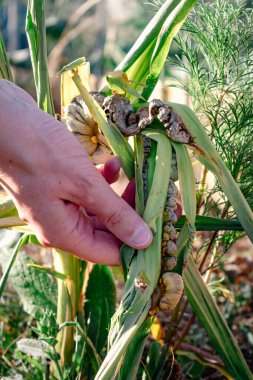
(217, 54)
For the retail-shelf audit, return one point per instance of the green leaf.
(25, 239)
(36, 290)
(50, 271)
(209, 157)
(186, 181)
(207, 223)
(155, 362)
(188, 194)
(5, 70)
(100, 305)
(35, 348)
(169, 29)
(145, 60)
(214, 323)
(113, 359)
(36, 34)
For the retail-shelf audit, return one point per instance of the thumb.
(95, 195)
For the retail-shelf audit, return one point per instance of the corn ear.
(144, 266)
(118, 143)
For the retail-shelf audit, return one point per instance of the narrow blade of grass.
(25, 239)
(5, 70)
(210, 316)
(7, 208)
(36, 34)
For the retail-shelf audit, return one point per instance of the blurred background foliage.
(101, 30)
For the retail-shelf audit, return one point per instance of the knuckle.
(46, 241)
(115, 216)
(87, 188)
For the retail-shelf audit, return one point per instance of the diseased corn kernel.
(171, 248)
(168, 263)
(170, 230)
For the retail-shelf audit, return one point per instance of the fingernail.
(141, 236)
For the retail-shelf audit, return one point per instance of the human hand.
(56, 188)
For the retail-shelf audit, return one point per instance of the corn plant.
(165, 134)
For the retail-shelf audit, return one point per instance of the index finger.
(93, 193)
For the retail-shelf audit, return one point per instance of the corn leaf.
(169, 29)
(207, 223)
(210, 316)
(186, 181)
(146, 58)
(126, 255)
(36, 34)
(208, 156)
(5, 70)
(99, 305)
(187, 186)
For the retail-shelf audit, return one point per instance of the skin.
(64, 198)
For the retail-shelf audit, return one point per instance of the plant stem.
(185, 331)
(58, 369)
(68, 297)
